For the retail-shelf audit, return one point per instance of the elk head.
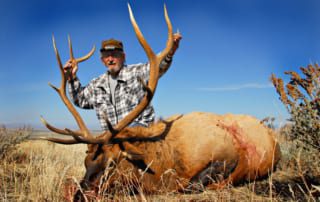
(103, 151)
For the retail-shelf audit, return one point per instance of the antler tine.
(170, 36)
(60, 141)
(76, 140)
(154, 75)
(62, 93)
(59, 60)
(52, 128)
(140, 36)
(84, 58)
(153, 59)
(70, 48)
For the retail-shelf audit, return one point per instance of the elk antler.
(84, 132)
(154, 62)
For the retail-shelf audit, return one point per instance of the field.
(36, 170)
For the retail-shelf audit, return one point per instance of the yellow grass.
(38, 170)
(43, 171)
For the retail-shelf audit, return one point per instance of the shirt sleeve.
(81, 96)
(143, 70)
(164, 66)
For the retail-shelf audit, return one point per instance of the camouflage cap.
(111, 44)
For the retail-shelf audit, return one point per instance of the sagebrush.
(9, 138)
(301, 96)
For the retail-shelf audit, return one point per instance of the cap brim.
(111, 49)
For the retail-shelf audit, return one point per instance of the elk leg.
(214, 172)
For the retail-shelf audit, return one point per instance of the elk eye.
(87, 151)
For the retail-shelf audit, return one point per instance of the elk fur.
(245, 147)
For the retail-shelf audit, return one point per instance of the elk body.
(178, 153)
(194, 150)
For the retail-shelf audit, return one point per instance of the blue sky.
(228, 52)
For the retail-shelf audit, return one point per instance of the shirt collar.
(104, 77)
(121, 76)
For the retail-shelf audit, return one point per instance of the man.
(117, 92)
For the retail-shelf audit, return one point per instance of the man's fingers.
(67, 65)
(70, 63)
(177, 37)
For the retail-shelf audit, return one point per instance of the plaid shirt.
(128, 93)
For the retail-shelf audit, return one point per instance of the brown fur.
(181, 147)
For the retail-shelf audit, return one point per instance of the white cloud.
(236, 87)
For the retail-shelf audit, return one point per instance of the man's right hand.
(70, 69)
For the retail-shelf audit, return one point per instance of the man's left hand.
(176, 40)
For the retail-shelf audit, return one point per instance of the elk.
(175, 154)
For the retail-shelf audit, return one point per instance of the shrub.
(10, 138)
(301, 96)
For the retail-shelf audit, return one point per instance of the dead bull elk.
(174, 154)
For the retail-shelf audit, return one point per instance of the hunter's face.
(114, 60)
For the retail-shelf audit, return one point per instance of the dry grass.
(43, 171)
(38, 171)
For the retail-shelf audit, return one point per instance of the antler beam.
(154, 61)
(84, 135)
(84, 131)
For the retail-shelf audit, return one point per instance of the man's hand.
(176, 40)
(70, 69)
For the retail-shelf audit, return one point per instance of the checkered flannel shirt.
(128, 93)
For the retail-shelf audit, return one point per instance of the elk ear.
(135, 156)
(142, 165)
(132, 152)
